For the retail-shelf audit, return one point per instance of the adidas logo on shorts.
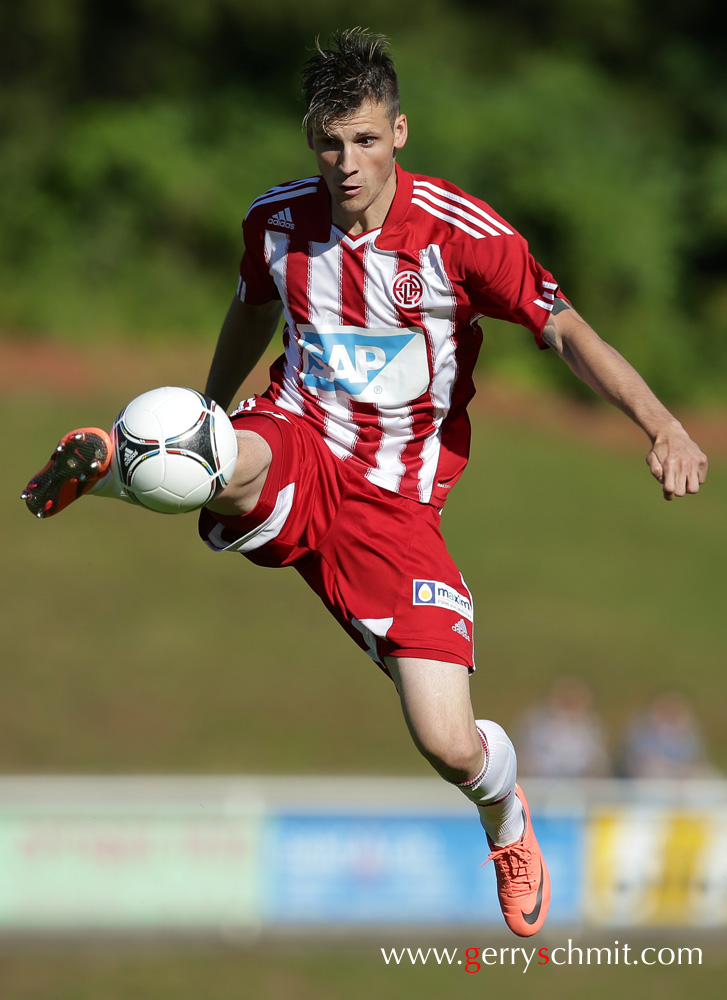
(461, 628)
(282, 218)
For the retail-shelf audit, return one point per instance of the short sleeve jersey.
(381, 329)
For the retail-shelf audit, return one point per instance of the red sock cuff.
(473, 782)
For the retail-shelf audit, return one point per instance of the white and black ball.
(175, 448)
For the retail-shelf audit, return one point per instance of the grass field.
(129, 648)
(334, 972)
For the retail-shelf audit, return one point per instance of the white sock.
(493, 789)
(110, 485)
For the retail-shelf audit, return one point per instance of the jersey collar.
(390, 235)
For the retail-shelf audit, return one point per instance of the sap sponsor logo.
(438, 594)
(384, 366)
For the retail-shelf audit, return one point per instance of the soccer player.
(346, 460)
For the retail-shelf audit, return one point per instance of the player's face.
(356, 158)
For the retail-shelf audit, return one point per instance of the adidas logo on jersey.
(461, 628)
(282, 218)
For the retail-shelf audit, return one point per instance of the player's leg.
(84, 463)
(478, 757)
(254, 456)
(435, 699)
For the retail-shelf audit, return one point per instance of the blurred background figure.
(563, 737)
(665, 741)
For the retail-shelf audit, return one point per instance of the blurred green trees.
(134, 134)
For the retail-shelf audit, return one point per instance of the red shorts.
(377, 560)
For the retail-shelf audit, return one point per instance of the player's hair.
(355, 67)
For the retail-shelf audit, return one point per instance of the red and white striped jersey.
(381, 329)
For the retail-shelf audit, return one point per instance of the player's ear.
(401, 131)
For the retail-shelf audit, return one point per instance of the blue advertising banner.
(402, 869)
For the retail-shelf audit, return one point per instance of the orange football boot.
(523, 882)
(81, 458)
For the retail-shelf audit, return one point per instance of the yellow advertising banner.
(656, 867)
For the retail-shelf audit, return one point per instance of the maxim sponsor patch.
(438, 594)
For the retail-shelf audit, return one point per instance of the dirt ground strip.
(33, 366)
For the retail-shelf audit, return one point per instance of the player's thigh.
(384, 570)
(435, 698)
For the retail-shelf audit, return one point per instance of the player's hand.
(677, 462)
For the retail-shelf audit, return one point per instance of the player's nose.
(347, 161)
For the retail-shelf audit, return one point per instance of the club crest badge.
(408, 289)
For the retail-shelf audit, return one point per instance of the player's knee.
(457, 758)
(242, 493)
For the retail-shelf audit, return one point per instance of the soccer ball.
(174, 449)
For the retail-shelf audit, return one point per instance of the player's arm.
(675, 460)
(246, 332)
